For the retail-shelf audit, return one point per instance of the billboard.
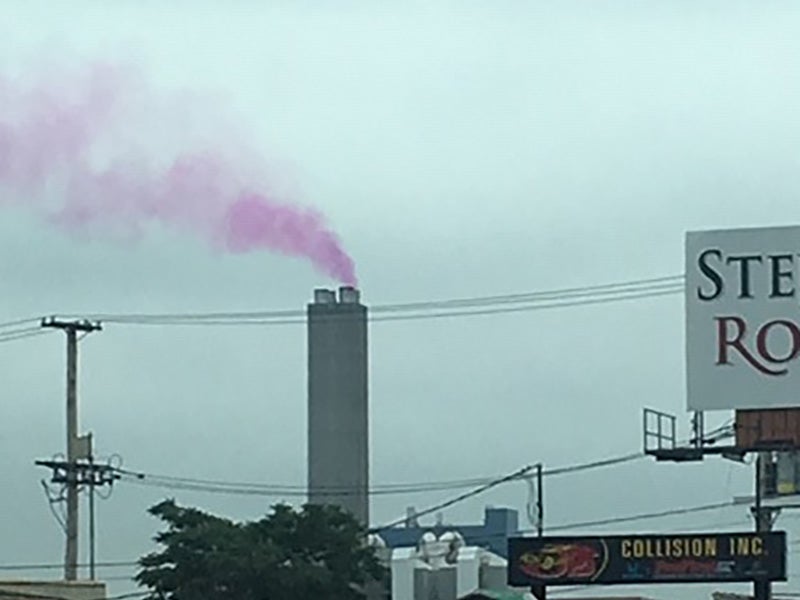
(742, 318)
(644, 559)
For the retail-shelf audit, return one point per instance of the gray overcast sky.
(460, 149)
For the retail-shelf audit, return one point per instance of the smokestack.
(338, 413)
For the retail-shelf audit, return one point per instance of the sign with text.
(743, 318)
(643, 559)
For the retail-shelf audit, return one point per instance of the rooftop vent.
(323, 296)
(348, 295)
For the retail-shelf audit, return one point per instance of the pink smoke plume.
(58, 154)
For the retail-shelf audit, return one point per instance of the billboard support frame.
(660, 426)
(659, 436)
(660, 440)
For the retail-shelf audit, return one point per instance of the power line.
(18, 322)
(641, 516)
(447, 503)
(483, 538)
(616, 520)
(484, 305)
(18, 334)
(265, 321)
(607, 288)
(255, 488)
(607, 462)
(648, 516)
(612, 521)
(431, 309)
(252, 489)
(235, 319)
(561, 527)
(529, 307)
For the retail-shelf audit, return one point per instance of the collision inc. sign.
(639, 559)
(743, 318)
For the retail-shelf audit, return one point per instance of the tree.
(313, 553)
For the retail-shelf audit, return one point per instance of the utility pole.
(91, 515)
(77, 446)
(539, 591)
(764, 518)
(539, 500)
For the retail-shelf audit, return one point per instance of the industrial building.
(499, 524)
(443, 567)
(447, 567)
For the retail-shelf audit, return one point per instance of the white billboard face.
(743, 318)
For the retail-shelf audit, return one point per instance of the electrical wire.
(247, 490)
(614, 520)
(433, 309)
(460, 498)
(253, 488)
(18, 322)
(19, 331)
(622, 519)
(608, 288)
(548, 299)
(485, 305)
(18, 334)
(526, 308)
(564, 526)
(234, 321)
(607, 462)
(642, 516)
(257, 489)
(51, 501)
(267, 491)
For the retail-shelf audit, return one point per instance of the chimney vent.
(323, 296)
(348, 295)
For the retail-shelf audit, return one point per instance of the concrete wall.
(53, 590)
(338, 413)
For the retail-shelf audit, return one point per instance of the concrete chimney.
(338, 408)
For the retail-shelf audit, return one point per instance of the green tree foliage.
(312, 553)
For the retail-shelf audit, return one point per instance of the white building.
(443, 568)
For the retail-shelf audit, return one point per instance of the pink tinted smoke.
(52, 123)
(253, 222)
(47, 134)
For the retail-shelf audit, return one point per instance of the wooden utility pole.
(77, 446)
